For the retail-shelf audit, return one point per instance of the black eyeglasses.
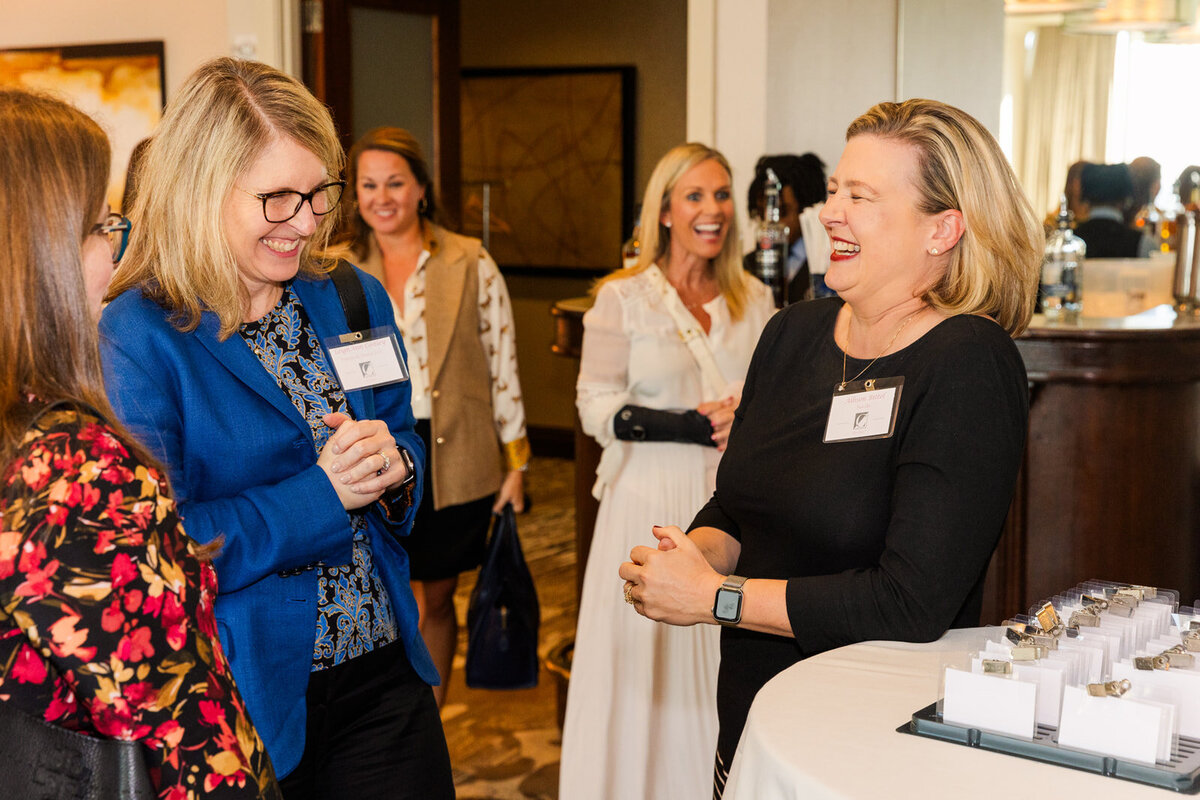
(116, 229)
(282, 206)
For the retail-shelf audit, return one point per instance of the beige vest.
(465, 450)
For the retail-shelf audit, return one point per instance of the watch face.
(729, 605)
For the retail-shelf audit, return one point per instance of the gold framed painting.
(547, 157)
(121, 85)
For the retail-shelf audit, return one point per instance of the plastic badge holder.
(1181, 772)
(956, 659)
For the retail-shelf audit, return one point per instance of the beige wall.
(789, 75)
(192, 32)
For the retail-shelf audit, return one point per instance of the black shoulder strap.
(350, 292)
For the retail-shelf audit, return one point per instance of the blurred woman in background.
(665, 349)
(452, 306)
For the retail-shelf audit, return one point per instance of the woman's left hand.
(512, 490)
(362, 449)
(674, 583)
(720, 416)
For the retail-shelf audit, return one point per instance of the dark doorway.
(391, 62)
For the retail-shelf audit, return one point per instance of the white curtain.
(1066, 111)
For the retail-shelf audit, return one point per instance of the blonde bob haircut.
(53, 176)
(225, 115)
(656, 237)
(995, 266)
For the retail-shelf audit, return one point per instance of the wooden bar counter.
(1110, 485)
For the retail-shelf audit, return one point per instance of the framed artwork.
(122, 86)
(547, 158)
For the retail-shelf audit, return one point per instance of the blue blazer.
(243, 464)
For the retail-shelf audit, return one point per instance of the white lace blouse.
(633, 354)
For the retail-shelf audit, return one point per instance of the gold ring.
(629, 593)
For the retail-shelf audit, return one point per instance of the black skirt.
(447, 542)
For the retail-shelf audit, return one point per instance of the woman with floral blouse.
(106, 606)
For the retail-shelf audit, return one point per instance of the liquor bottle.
(1061, 289)
(633, 245)
(771, 239)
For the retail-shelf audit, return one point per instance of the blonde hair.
(353, 233)
(53, 176)
(995, 266)
(219, 123)
(656, 237)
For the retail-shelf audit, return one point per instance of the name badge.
(864, 410)
(366, 359)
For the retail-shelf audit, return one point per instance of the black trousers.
(373, 733)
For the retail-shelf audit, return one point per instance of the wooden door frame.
(327, 72)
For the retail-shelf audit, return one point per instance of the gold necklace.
(891, 342)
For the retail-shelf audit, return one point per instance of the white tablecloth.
(826, 728)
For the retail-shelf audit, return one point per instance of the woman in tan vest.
(453, 309)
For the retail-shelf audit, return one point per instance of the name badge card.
(366, 359)
(991, 702)
(1184, 684)
(1121, 727)
(864, 410)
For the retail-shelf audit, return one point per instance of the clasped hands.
(361, 460)
(673, 583)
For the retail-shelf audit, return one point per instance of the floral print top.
(106, 613)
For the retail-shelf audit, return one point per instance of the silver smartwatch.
(727, 607)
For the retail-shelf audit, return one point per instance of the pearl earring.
(667, 223)
(933, 251)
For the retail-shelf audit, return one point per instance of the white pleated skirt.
(641, 717)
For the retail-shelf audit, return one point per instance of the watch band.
(408, 465)
(733, 582)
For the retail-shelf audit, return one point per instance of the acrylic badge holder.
(1103, 678)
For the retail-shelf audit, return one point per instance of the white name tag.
(991, 702)
(864, 410)
(366, 359)
(1122, 727)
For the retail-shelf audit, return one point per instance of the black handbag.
(503, 617)
(43, 761)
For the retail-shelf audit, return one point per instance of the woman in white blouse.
(453, 310)
(665, 350)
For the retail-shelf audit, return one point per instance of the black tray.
(1180, 774)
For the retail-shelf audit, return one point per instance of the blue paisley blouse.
(354, 611)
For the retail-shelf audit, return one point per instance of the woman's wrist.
(517, 454)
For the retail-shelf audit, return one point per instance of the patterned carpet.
(505, 745)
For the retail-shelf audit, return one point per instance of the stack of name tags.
(1104, 669)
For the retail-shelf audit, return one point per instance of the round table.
(826, 728)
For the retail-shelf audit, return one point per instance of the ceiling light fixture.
(1127, 15)
(1019, 7)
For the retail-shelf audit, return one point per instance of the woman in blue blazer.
(218, 348)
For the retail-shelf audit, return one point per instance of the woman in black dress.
(874, 453)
